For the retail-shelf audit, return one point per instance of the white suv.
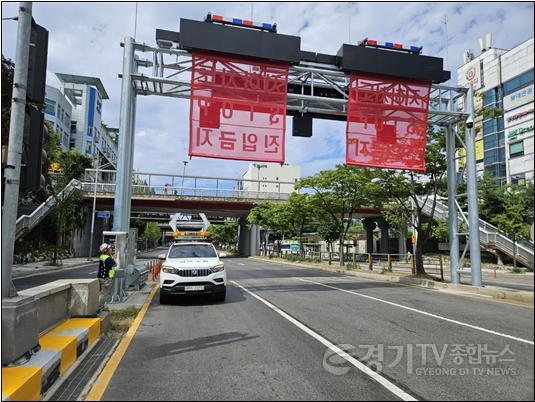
(192, 268)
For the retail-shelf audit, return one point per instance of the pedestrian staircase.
(26, 223)
(489, 235)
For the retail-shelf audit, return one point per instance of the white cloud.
(84, 39)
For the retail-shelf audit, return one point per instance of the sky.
(84, 39)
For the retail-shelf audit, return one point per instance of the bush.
(517, 270)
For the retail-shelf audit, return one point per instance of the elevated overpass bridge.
(214, 196)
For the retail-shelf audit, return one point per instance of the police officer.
(106, 272)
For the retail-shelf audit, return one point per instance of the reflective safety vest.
(103, 271)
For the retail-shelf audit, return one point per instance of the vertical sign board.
(387, 122)
(237, 108)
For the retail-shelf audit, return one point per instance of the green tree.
(297, 214)
(329, 231)
(441, 230)
(67, 215)
(271, 216)
(224, 235)
(8, 71)
(511, 221)
(152, 232)
(409, 192)
(338, 193)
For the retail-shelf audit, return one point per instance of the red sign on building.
(387, 122)
(237, 108)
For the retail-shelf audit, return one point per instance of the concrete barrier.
(36, 310)
(19, 329)
(84, 295)
(52, 303)
(48, 316)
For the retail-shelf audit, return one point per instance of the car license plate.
(193, 288)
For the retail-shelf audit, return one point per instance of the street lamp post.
(94, 206)
(183, 174)
(259, 166)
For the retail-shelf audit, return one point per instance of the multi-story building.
(58, 111)
(503, 81)
(271, 172)
(87, 133)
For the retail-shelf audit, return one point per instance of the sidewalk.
(20, 271)
(32, 268)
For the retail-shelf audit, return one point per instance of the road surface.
(274, 338)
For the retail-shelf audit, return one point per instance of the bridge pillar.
(402, 245)
(369, 225)
(248, 239)
(383, 225)
(254, 242)
(244, 239)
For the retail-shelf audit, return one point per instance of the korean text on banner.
(387, 122)
(237, 108)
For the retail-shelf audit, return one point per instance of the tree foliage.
(410, 191)
(67, 215)
(338, 193)
(8, 71)
(512, 221)
(224, 235)
(152, 232)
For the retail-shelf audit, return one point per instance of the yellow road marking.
(105, 377)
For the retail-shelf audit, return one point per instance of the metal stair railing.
(26, 223)
(490, 235)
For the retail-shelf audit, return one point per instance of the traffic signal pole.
(14, 155)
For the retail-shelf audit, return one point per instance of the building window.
(519, 179)
(490, 97)
(516, 149)
(50, 107)
(518, 82)
(73, 127)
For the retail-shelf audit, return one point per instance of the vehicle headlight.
(169, 270)
(219, 267)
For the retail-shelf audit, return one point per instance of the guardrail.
(490, 235)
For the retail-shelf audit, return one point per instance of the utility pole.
(471, 193)
(16, 133)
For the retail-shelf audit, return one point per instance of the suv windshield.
(192, 251)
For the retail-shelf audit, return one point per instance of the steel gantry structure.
(319, 89)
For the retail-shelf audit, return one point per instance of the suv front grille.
(194, 272)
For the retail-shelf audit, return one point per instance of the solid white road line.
(241, 263)
(344, 355)
(489, 331)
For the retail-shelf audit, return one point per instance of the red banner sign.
(387, 122)
(237, 108)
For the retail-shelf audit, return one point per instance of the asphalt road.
(270, 338)
(71, 273)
